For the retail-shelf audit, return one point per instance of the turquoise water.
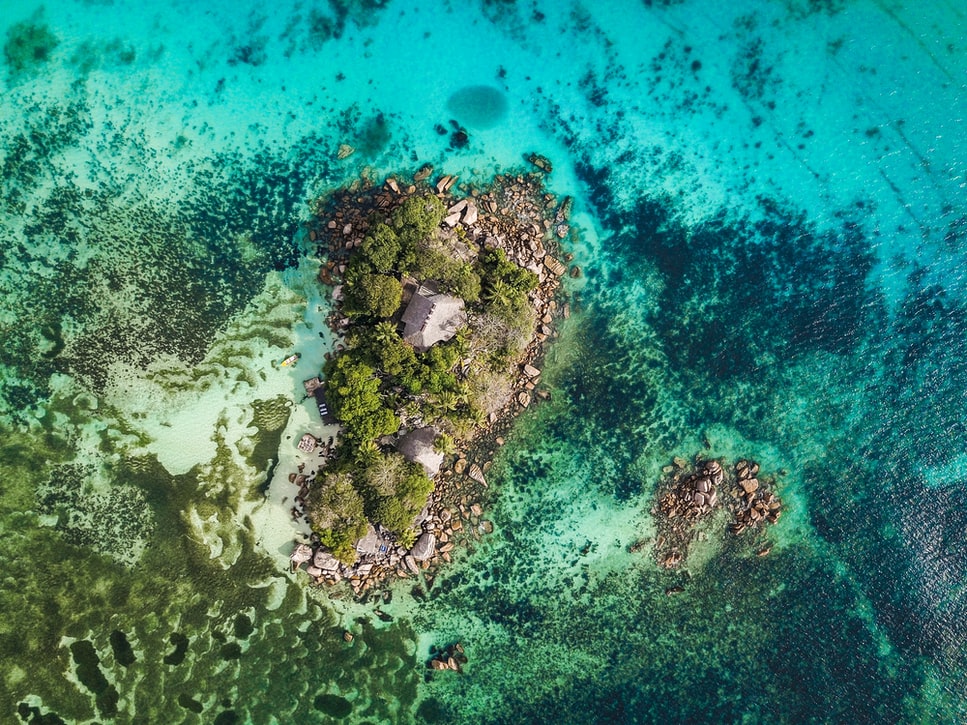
(770, 217)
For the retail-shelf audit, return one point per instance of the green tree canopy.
(378, 295)
(335, 511)
(353, 393)
(381, 248)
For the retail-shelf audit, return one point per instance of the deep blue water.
(770, 224)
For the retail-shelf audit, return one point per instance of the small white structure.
(432, 317)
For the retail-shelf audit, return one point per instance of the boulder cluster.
(760, 504)
(452, 657)
(690, 497)
(453, 516)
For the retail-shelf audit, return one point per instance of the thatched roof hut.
(431, 317)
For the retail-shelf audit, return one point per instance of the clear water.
(770, 200)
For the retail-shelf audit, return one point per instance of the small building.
(312, 385)
(308, 443)
(417, 446)
(432, 317)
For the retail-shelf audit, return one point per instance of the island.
(444, 296)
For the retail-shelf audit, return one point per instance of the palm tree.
(384, 333)
(445, 444)
(367, 453)
(498, 292)
(448, 401)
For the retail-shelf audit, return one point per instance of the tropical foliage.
(379, 377)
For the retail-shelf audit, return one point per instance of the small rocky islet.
(495, 239)
(695, 500)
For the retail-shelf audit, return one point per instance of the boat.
(291, 360)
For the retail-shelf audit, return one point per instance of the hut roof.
(417, 446)
(430, 318)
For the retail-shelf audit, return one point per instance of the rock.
(328, 564)
(301, 554)
(749, 485)
(476, 473)
(458, 207)
(530, 371)
(541, 162)
(452, 220)
(411, 564)
(391, 183)
(703, 485)
(476, 509)
(470, 214)
(554, 266)
(487, 527)
(438, 665)
(347, 636)
(443, 184)
(423, 173)
(667, 469)
(680, 462)
(460, 466)
(575, 272)
(313, 571)
(423, 548)
(345, 151)
(564, 211)
(524, 399)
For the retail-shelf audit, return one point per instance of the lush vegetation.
(379, 379)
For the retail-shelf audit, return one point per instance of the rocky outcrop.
(452, 657)
(690, 499)
(423, 548)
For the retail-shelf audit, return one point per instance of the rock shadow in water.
(478, 106)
